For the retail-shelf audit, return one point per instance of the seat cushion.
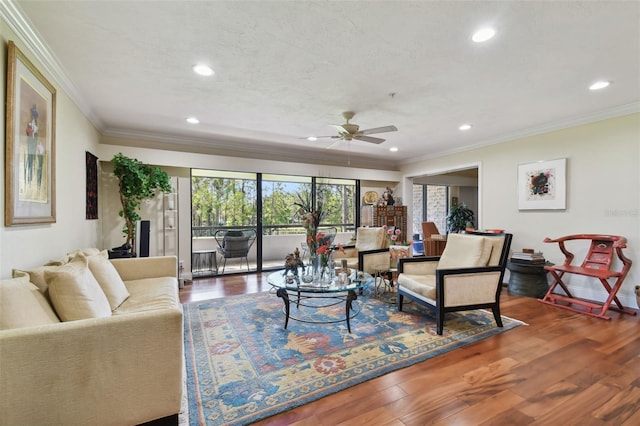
(465, 251)
(75, 294)
(424, 285)
(23, 305)
(149, 294)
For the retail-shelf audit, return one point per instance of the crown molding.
(11, 13)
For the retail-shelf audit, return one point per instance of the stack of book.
(528, 257)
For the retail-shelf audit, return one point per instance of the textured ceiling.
(285, 70)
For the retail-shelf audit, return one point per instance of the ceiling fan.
(349, 131)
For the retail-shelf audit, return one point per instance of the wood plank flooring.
(562, 368)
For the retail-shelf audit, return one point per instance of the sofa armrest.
(138, 268)
(124, 369)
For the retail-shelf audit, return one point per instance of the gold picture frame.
(30, 185)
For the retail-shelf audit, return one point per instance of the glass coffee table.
(292, 290)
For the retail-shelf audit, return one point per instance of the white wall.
(603, 191)
(26, 246)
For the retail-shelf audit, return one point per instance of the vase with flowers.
(311, 219)
(396, 249)
(327, 264)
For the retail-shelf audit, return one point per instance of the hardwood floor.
(561, 369)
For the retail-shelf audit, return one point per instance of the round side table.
(528, 279)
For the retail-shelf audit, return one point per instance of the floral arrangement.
(325, 251)
(393, 234)
(310, 220)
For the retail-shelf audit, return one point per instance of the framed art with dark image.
(30, 192)
(542, 185)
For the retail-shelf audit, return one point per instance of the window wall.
(267, 203)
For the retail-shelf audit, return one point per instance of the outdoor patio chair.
(234, 244)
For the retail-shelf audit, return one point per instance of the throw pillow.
(23, 305)
(108, 278)
(75, 293)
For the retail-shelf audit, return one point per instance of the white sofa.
(73, 352)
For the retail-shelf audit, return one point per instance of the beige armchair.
(467, 276)
(371, 245)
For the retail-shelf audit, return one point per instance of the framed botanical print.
(30, 193)
(542, 185)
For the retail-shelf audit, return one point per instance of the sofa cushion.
(108, 278)
(75, 293)
(465, 251)
(424, 285)
(36, 275)
(149, 294)
(23, 305)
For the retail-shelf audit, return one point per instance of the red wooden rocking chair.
(597, 264)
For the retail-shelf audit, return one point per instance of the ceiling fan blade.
(339, 128)
(378, 130)
(369, 139)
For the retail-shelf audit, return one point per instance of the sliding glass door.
(266, 203)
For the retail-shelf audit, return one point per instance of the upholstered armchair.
(467, 276)
(433, 241)
(371, 245)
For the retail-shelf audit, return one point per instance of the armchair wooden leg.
(439, 321)
(497, 316)
(399, 302)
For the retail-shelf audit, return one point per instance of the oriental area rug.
(243, 366)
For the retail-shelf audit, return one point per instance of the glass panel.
(281, 228)
(339, 204)
(222, 200)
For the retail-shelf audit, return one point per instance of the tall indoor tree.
(137, 182)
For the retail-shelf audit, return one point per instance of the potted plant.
(137, 182)
(460, 217)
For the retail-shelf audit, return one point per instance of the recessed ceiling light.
(312, 138)
(393, 149)
(483, 35)
(193, 120)
(465, 127)
(202, 69)
(599, 85)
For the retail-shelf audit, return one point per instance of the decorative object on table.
(542, 185)
(91, 164)
(459, 218)
(30, 166)
(292, 262)
(387, 198)
(261, 369)
(528, 257)
(137, 182)
(311, 218)
(327, 266)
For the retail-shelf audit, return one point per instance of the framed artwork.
(30, 193)
(542, 185)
